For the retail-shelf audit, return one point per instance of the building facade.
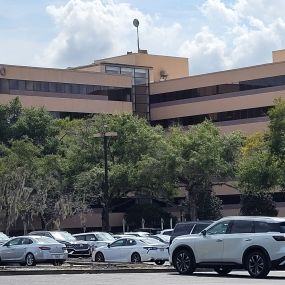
(158, 88)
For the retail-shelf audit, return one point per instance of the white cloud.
(94, 29)
(227, 34)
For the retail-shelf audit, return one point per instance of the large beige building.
(158, 88)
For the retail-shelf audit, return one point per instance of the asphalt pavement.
(240, 278)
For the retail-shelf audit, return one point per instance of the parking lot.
(277, 277)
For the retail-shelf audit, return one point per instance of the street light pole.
(105, 202)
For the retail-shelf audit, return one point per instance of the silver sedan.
(30, 250)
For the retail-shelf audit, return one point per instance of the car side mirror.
(203, 232)
(108, 245)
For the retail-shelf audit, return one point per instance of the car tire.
(136, 258)
(99, 257)
(159, 262)
(257, 264)
(184, 262)
(223, 271)
(57, 263)
(30, 260)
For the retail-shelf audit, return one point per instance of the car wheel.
(30, 260)
(159, 262)
(135, 257)
(99, 257)
(257, 264)
(184, 262)
(57, 263)
(223, 271)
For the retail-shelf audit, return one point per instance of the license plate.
(55, 256)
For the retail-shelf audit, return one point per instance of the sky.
(214, 34)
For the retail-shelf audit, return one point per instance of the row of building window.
(7, 86)
(215, 117)
(219, 89)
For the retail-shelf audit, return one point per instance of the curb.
(83, 271)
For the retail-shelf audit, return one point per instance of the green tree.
(135, 160)
(204, 158)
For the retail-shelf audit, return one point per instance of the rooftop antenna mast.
(136, 23)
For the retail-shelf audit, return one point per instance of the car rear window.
(182, 229)
(199, 227)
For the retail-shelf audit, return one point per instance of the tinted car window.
(81, 237)
(198, 228)
(120, 242)
(262, 227)
(15, 241)
(220, 228)
(282, 227)
(131, 242)
(90, 237)
(181, 229)
(239, 227)
(26, 241)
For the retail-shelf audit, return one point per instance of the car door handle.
(248, 239)
(219, 240)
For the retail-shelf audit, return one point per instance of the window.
(13, 84)
(81, 237)
(112, 69)
(15, 241)
(131, 242)
(140, 72)
(183, 228)
(241, 227)
(198, 228)
(29, 85)
(90, 237)
(261, 227)
(127, 71)
(26, 241)
(120, 242)
(218, 229)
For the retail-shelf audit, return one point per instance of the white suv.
(256, 244)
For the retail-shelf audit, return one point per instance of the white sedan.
(132, 249)
(30, 250)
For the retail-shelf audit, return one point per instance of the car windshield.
(104, 236)
(44, 240)
(3, 236)
(65, 236)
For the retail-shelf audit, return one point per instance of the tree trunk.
(43, 222)
(105, 218)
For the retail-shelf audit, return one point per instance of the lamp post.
(105, 200)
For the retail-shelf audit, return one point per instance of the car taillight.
(279, 238)
(44, 247)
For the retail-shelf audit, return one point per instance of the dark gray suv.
(73, 246)
(187, 228)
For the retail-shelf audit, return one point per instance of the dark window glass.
(26, 241)
(142, 108)
(120, 242)
(220, 228)
(59, 87)
(44, 86)
(181, 229)
(52, 87)
(37, 86)
(67, 88)
(22, 85)
(131, 242)
(29, 85)
(14, 84)
(199, 227)
(261, 227)
(4, 86)
(219, 89)
(82, 89)
(75, 88)
(141, 81)
(81, 237)
(142, 73)
(112, 69)
(282, 227)
(239, 227)
(142, 99)
(91, 237)
(216, 117)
